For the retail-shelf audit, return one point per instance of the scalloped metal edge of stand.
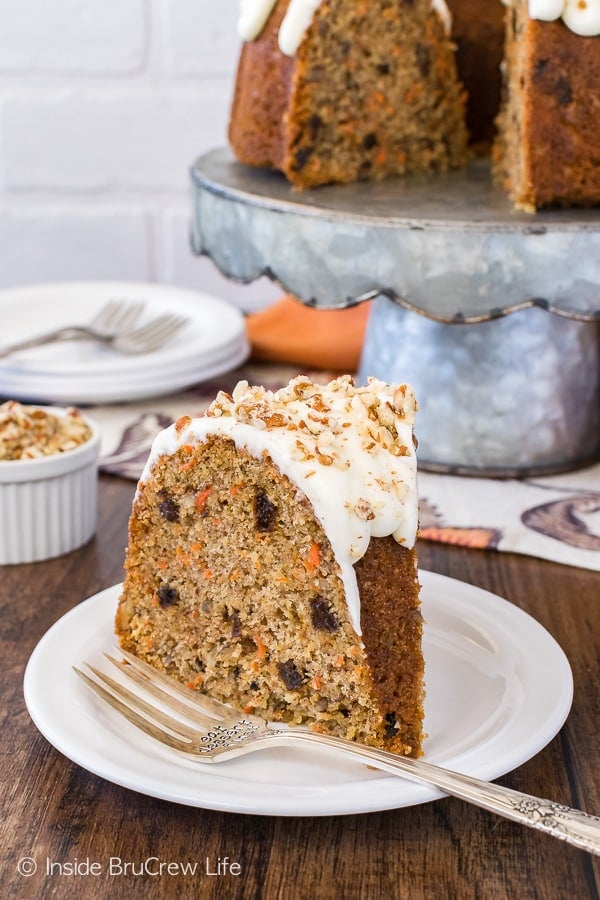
(447, 246)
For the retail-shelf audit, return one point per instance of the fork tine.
(150, 728)
(151, 336)
(159, 329)
(201, 702)
(129, 314)
(167, 325)
(193, 712)
(150, 327)
(104, 315)
(117, 314)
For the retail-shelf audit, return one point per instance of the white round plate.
(498, 689)
(80, 390)
(213, 339)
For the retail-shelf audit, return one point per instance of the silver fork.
(112, 318)
(203, 729)
(113, 326)
(149, 337)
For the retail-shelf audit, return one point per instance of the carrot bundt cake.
(346, 90)
(342, 90)
(271, 559)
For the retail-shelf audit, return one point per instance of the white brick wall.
(104, 104)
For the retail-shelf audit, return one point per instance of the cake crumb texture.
(232, 588)
(371, 92)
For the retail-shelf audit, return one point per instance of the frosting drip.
(253, 15)
(295, 22)
(581, 16)
(348, 449)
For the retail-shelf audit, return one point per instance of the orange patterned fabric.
(478, 538)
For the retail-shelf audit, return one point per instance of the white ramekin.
(48, 506)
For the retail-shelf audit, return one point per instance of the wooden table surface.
(54, 812)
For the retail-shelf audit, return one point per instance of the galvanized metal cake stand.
(492, 315)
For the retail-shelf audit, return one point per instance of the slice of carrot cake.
(272, 563)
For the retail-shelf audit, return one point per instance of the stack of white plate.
(83, 372)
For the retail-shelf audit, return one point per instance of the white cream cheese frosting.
(295, 22)
(348, 449)
(581, 16)
(253, 15)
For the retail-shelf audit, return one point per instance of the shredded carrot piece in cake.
(202, 497)
(183, 556)
(187, 448)
(314, 558)
(261, 650)
(413, 93)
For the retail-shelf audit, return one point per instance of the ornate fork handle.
(73, 332)
(570, 825)
(210, 732)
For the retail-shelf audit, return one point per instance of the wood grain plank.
(53, 810)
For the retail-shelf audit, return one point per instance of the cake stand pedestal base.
(506, 397)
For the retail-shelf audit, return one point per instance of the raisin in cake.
(271, 559)
(344, 90)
